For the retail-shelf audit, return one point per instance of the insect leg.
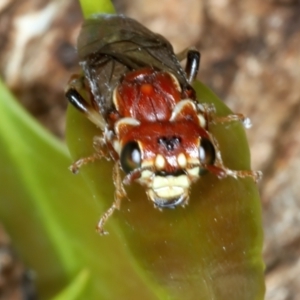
(192, 57)
(209, 112)
(192, 65)
(101, 152)
(119, 194)
(74, 168)
(255, 175)
(221, 171)
(233, 118)
(76, 99)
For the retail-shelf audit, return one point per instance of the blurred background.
(250, 58)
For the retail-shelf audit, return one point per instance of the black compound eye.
(131, 157)
(207, 153)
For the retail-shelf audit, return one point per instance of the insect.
(153, 127)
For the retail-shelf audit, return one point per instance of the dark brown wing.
(111, 45)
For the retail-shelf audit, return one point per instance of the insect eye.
(130, 157)
(207, 152)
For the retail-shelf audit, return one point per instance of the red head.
(160, 138)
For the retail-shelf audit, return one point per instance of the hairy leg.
(120, 193)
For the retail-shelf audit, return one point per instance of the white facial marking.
(114, 97)
(159, 181)
(169, 181)
(117, 146)
(194, 172)
(169, 192)
(160, 162)
(146, 178)
(193, 161)
(180, 106)
(176, 82)
(146, 174)
(126, 121)
(147, 164)
(170, 186)
(181, 160)
(202, 120)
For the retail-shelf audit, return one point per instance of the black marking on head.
(176, 173)
(170, 143)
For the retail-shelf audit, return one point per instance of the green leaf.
(209, 250)
(51, 214)
(76, 288)
(90, 7)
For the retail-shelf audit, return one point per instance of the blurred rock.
(15, 282)
(37, 54)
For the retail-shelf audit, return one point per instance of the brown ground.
(250, 58)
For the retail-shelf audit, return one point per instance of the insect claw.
(222, 175)
(101, 230)
(257, 176)
(103, 220)
(158, 207)
(74, 169)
